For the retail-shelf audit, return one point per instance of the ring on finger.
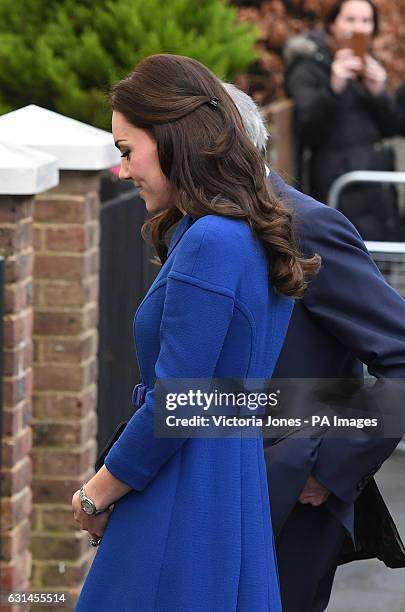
(95, 541)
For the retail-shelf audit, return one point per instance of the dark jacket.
(349, 316)
(343, 132)
(400, 100)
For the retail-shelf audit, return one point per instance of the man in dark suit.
(349, 316)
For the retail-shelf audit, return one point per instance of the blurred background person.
(343, 112)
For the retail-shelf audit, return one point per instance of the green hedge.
(65, 55)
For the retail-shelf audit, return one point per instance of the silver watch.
(87, 504)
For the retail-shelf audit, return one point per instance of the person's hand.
(345, 66)
(95, 525)
(313, 493)
(374, 76)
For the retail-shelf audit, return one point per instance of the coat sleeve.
(314, 101)
(196, 316)
(386, 113)
(400, 106)
(351, 299)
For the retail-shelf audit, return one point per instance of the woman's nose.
(362, 28)
(124, 173)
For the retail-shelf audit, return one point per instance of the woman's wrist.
(337, 84)
(104, 489)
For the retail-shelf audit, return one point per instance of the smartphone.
(359, 43)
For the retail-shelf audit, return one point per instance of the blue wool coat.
(195, 533)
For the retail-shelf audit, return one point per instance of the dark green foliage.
(65, 55)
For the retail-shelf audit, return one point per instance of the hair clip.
(213, 101)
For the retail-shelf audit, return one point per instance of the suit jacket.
(348, 317)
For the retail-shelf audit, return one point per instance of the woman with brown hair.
(184, 522)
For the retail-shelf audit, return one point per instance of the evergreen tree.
(65, 54)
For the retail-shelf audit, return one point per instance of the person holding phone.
(343, 113)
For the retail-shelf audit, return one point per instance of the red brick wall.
(65, 375)
(16, 229)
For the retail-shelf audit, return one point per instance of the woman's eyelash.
(125, 153)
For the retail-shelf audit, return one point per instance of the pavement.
(369, 586)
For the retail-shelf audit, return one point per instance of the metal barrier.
(390, 259)
(389, 256)
(361, 176)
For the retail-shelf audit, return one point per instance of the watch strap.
(85, 499)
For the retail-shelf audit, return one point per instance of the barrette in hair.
(213, 101)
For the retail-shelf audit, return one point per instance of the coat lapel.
(180, 230)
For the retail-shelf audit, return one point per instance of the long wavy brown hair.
(209, 160)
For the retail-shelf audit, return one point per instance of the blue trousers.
(308, 548)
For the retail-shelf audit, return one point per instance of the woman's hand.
(95, 525)
(345, 66)
(374, 76)
(104, 490)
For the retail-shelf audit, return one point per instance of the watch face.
(87, 506)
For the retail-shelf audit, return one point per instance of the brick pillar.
(16, 246)
(66, 223)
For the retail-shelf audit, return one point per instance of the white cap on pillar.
(24, 171)
(76, 145)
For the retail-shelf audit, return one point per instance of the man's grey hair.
(251, 116)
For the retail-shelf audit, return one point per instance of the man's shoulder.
(307, 210)
(310, 216)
